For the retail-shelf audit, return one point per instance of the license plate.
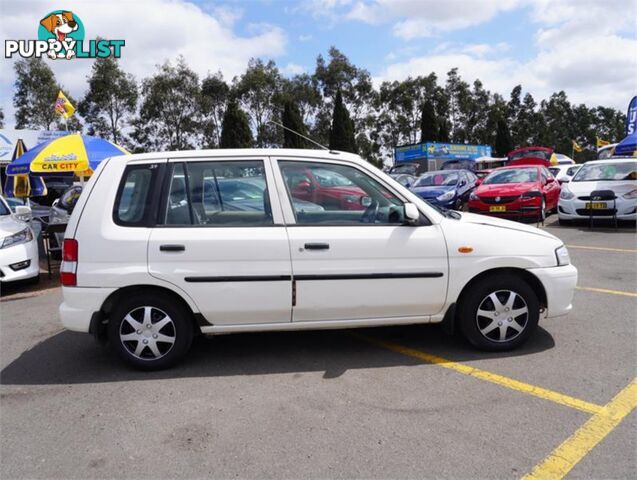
(498, 208)
(596, 206)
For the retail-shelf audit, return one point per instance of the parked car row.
(18, 244)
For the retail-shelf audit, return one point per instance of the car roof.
(245, 152)
(517, 166)
(612, 160)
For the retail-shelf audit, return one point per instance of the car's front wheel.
(499, 313)
(150, 332)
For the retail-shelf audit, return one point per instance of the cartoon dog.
(60, 25)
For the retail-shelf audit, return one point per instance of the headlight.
(446, 196)
(532, 194)
(632, 194)
(562, 256)
(566, 194)
(473, 196)
(23, 236)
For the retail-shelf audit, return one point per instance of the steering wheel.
(371, 213)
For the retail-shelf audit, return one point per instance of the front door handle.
(317, 246)
(172, 248)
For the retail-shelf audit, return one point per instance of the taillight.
(68, 269)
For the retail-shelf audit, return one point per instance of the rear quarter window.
(136, 196)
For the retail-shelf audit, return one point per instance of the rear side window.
(218, 194)
(133, 203)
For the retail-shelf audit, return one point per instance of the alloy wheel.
(502, 316)
(147, 333)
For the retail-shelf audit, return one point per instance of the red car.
(326, 188)
(517, 192)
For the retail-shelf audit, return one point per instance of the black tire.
(478, 296)
(542, 214)
(180, 329)
(458, 205)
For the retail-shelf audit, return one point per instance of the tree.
(169, 117)
(342, 132)
(1, 118)
(291, 119)
(503, 144)
(257, 91)
(110, 101)
(429, 129)
(514, 108)
(35, 93)
(235, 130)
(215, 93)
(459, 97)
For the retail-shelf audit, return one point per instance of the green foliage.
(292, 119)
(1, 118)
(169, 116)
(35, 93)
(110, 101)
(503, 143)
(342, 132)
(429, 129)
(215, 94)
(235, 131)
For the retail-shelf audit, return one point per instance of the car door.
(223, 242)
(364, 262)
(551, 188)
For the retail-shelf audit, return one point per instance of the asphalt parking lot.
(401, 402)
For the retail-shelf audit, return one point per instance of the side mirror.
(564, 180)
(550, 180)
(24, 213)
(412, 215)
(462, 183)
(304, 185)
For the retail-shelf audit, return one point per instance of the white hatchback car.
(617, 175)
(163, 246)
(18, 246)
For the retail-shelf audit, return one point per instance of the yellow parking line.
(605, 290)
(487, 376)
(603, 249)
(577, 446)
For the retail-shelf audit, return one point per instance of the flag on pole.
(601, 143)
(577, 147)
(63, 106)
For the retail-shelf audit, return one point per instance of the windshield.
(608, 172)
(545, 155)
(512, 175)
(432, 179)
(410, 169)
(555, 171)
(328, 178)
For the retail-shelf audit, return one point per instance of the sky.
(588, 48)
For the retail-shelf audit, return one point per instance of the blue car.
(445, 188)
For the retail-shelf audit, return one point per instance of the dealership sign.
(441, 151)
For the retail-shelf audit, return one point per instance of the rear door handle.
(172, 248)
(317, 246)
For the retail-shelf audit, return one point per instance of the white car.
(564, 173)
(616, 174)
(18, 245)
(154, 253)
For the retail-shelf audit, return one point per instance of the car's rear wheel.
(150, 332)
(542, 213)
(499, 313)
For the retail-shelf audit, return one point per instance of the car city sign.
(61, 36)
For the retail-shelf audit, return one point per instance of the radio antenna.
(297, 133)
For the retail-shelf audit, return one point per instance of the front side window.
(133, 202)
(340, 195)
(218, 194)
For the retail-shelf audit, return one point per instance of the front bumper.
(79, 306)
(559, 284)
(17, 254)
(575, 209)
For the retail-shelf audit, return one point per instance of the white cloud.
(305, 38)
(292, 69)
(154, 30)
(424, 18)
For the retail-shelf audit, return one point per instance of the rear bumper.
(559, 284)
(79, 306)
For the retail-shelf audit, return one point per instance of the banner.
(631, 117)
(440, 151)
(9, 138)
